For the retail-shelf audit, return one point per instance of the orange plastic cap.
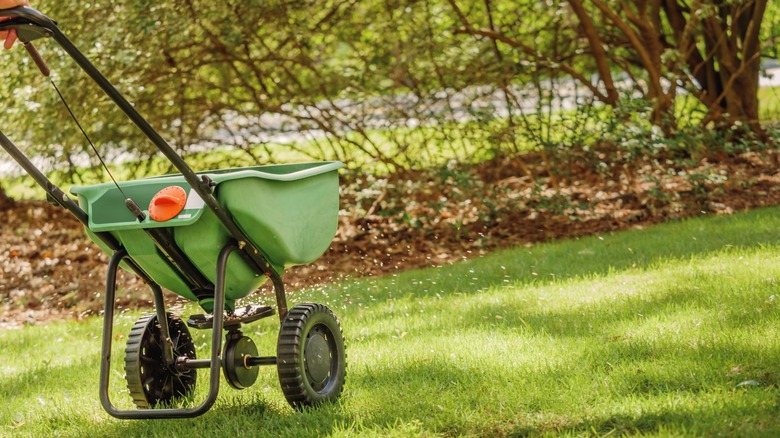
(167, 203)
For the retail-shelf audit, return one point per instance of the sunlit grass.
(769, 104)
(666, 330)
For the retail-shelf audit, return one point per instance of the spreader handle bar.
(31, 24)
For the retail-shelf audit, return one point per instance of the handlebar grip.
(29, 23)
(28, 14)
(37, 59)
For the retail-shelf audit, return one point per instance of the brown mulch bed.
(409, 220)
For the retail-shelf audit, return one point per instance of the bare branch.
(538, 57)
(597, 47)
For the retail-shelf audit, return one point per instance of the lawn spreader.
(211, 237)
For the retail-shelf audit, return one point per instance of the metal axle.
(249, 361)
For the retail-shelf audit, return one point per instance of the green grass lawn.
(670, 330)
(769, 104)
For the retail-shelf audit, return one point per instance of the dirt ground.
(410, 220)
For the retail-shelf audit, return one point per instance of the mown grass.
(670, 330)
(769, 104)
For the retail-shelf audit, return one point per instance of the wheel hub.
(317, 354)
(237, 373)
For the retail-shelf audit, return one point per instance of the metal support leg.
(216, 343)
(162, 319)
(281, 298)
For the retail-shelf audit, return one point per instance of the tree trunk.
(5, 201)
(728, 71)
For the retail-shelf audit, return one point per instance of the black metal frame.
(216, 343)
(31, 25)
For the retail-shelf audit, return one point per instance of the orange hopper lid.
(167, 203)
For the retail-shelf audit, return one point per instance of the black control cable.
(131, 205)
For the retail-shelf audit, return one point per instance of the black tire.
(149, 380)
(311, 359)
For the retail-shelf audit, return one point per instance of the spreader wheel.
(149, 379)
(310, 355)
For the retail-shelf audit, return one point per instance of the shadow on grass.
(606, 317)
(703, 421)
(457, 400)
(230, 416)
(49, 390)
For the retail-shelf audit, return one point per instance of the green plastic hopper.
(288, 211)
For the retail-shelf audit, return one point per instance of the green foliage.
(770, 32)
(770, 108)
(392, 84)
(669, 330)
